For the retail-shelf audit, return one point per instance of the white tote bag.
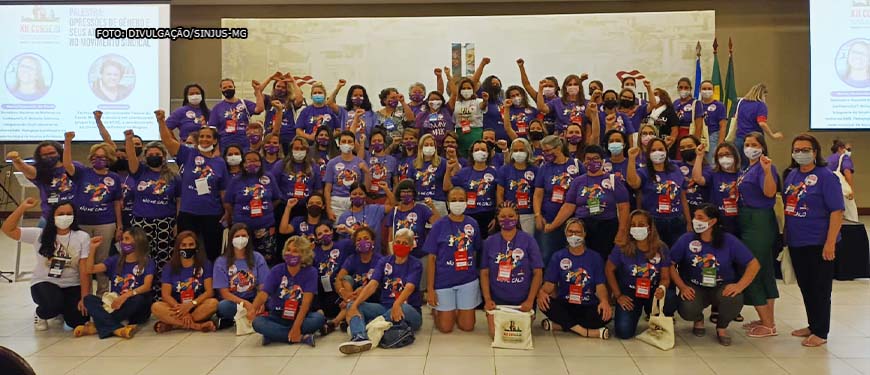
(513, 328)
(786, 267)
(243, 325)
(732, 126)
(705, 134)
(661, 328)
(851, 212)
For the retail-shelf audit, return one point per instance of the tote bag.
(705, 134)
(661, 328)
(732, 125)
(513, 328)
(851, 212)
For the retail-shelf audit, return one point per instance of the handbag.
(397, 336)
(851, 212)
(705, 134)
(661, 328)
(243, 325)
(732, 125)
(376, 328)
(513, 328)
(786, 267)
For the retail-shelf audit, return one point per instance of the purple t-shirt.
(414, 219)
(287, 181)
(60, 189)
(815, 195)
(404, 165)
(361, 272)
(630, 268)
(619, 169)
(661, 193)
(281, 286)
(154, 197)
(692, 255)
(341, 174)
(750, 185)
(834, 161)
(479, 187)
(567, 114)
(713, 113)
(383, 168)
(392, 278)
(585, 271)
(128, 186)
(241, 280)
(322, 158)
(371, 215)
(429, 180)
(129, 277)
(511, 266)
(186, 119)
(596, 197)
(312, 117)
(195, 166)
(328, 262)
(635, 118)
(231, 120)
(288, 123)
(749, 114)
(522, 116)
(345, 120)
(436, 124)
(624, 123)
(695, 194)
(492, 118)
(684, 111)
(448, 240)
(245, 193)
(301, 227)
(515, 181)
(96, 196)
(556, 177)
(722, 185)
(187, 280)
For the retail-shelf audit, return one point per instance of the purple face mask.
(271, 149)
(127, 248)
(508, 224)
(417, 97)
(292, 260)
(255, 138)
(357, 201)
(378, 147)
(393, 103)
(100, 163)
(325, 239)
(574, 139)
(406, 197)
(593, 166)
(410, 145)
(549, 157)
(323, 141)
(251, 168)
(356, 101)
(364, 246)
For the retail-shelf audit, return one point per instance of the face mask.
(234, 160)
(240, 242)
(378, 147)
(479, 156)
(255, 138)
(803, 158)
(615, 148)
(593, 166)
(573, 90)
(345, 148)
(315, 210)
(700, 226)
(536, 136)
(688, 155)
(517, 101)
(752, 153)
(457, 208)
(508, 224)
(364, 246)
(490, 144)
(428, 150)
(252, 168)
(684, 94)
(706, 94)
(658, 157)
(187, 253)
(644, 139)
(318, 98)
(631, 88)
(575, 241)
(549, 157)
(292, 260)
(357, 201)
(323, 142)
(325, 239)
(100, 163)
(190, 145)
(639, 233)
(120, 165)
(205, 149)
(407, 197)
(434, 104)
(400, 250)
(357, 100)
(156, 161)
(574, 139)
(659, 100)
(127, 248)
(49, 162)
(610, 104)
(299, 155)
(625, 103)
(726, 162)
(280, 94)
(520, 156)
(393, 103)
(229, 93)
(138, 151)
(466, 93)
(416, 97)
(63, 221)
(194, 99)
(848, 153)
(271, 149)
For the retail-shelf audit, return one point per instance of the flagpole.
(697, 69)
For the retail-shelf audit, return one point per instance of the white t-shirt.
(468, 110)
(75, 245)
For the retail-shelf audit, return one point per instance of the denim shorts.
(460, 297)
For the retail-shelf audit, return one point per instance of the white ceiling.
(357, 2)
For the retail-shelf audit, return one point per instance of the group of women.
(584, 209)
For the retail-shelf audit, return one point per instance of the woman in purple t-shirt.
(188, 297)
(570, 107)
(751, 116)
(233, 158)
(193, 113)
(251, 198)
(436, 118)
(841, 159)
(48, 174)
(721, 182)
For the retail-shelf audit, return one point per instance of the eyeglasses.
(577, 232)
(594, 158)
(801, 150)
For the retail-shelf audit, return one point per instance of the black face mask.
(138, 151)
(154, 161)
(120, 165)
(625, 103)
(229, 93)
(536, 136)
(315, 210)
(491, 145)
(187, 253)
(48, 162)
(610, 104)
(688, 155)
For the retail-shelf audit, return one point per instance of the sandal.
(803, 332)
(126, 332)
(207, 326)
(814, 341)
(751, 325)
(739, 318)
(760, 331)
(547, 325)
(714, 317)
(723, 340)
(85, 330)
(160, 327)
(604, 333)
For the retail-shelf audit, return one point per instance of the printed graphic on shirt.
(363, 279)
(462, 241)
(482, 187)
(427, 177)
(158, 187)
(234, 113)
(647, 270)
(127, 282)
(563, 179)
(795, 205)
(345, 176)
(402, 170)
(512, 258)
(318, 120)
(289, 291)
(522, 185)
(667, 188)
(328, 267)
(98, 192)
(240, 281)
(61, 183)
(192, 283)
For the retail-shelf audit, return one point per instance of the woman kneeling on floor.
(188, 297)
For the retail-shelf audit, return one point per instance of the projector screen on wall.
(56, 73)
(395, 52)
(840, 64)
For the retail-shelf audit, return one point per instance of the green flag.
(730, 86)
(716, 77)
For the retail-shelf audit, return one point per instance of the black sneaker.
(357, 344)
(224, 323)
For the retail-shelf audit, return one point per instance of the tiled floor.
(56, 352)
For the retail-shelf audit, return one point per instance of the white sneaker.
(57, 321)
(354, 346)
(39, 324)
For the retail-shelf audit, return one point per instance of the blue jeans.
(227, 309)
(370, 311)
(714, 140)
(738, 144)
(625, 322)
(135, 310)
(276, 329)
(550, 243)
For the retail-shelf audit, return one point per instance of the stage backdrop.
(394, 52)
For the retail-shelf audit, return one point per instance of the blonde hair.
(305, 248)
(756, 93)
(573, 221)
(318, 84)
(107, 148)
(651, 126)
(436, 159)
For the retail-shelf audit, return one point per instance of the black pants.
(600, 235)
(207, 227)
(483, 219)
(670, 229)
(569, 315)
(52, 300)
(815, 278)
(328, 302)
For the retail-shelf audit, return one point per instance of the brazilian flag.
(716, 77)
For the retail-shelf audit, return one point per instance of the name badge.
(641, 287)
(471, 199)
(522, 200)
(187, 296)
(558, 194)
(664, 206)
(594, 206)
(708, 277)
(504, 272)
(791, 205)
(201, 185)
(56, 266)
(325, 283)
(231, 126)
(730, 206)
(575, 294)
(460, 260)
(53, 198)
(466, 126)
(299, 190)
(256, 207)
(290, 307)
(522, 128)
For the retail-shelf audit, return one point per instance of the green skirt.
(758, 231)
(465, 140)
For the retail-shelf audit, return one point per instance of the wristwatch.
(194, 302)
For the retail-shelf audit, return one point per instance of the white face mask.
(479, 156)
(575, 241)
(299, 155)
(517, 101)
(573, 90)
(435, 104)
(205, 149)
(549, 91)
(234, 160)
(752, 153)
(428, 150)
(726, 162)
(658, 100)
(700, 226)
(848, 153)
(63, 221)
(684, 94)
(466, 94)
(457, 208)
(194, 99)
(658, 157)
(706, 94)
(639, 233)
(345, 148)
(520, 156)
(240, 242)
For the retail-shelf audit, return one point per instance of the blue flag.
(697, 77)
